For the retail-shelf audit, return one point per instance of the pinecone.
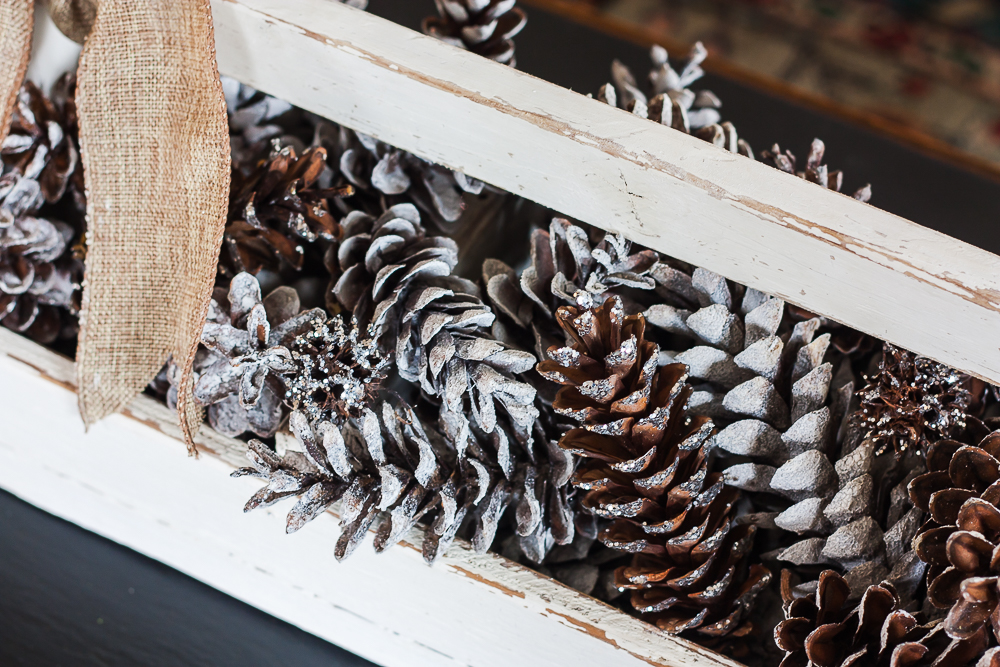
(395, 277)
(815, 171)
(390, 465)
(825, 630)
(785, 438)
(383, 174)
(646, 468)
(961, 491)
(276, 208)
(484, 27)
(249, 338)
(39, 277)
(251, 126)
(671, 101)
(562, 263)
(40, 145)
(335, 371)
(913, 401)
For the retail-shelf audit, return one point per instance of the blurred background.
(926, 66)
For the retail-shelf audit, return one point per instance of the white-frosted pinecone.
(782, 410)
(249, 337)
(39, 278)
(815, 171)
(485, 27)
(386, 465)
(671, 101)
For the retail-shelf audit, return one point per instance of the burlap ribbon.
(155, 146)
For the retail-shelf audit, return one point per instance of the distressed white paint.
(821, 250)
(129, 480)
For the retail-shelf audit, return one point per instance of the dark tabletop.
(69, 597)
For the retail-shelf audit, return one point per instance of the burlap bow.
(155, 147)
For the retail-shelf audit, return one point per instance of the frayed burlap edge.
(155, 143)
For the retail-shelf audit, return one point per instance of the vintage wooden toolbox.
(129, 478)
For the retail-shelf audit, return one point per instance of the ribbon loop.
(155, 145)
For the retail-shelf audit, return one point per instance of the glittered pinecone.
(249, 339)
(826, 629)
(337, 369)
(815, 171)
(39, 145)
(484, 27)
(562, 264)
(961, 491)
(913, 401)
(39, 277)
(671, 101)
(277, 208)
(646, 468)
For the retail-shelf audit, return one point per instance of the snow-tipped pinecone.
(39, 276)
(397, 278)
(815, 171)
(388, 464)
(824, 629)
(646, 468)
(671, 101)
(484, 27)
(251, 130)
(384, 174)
(275, 209)
(248, 338)
(562, 263)
(961, 491)
(913, 401)
(40, 144)
(770, 384)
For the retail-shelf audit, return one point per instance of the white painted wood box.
(130, 479)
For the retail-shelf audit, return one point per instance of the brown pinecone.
(39, 277)
(672, 102)
(485, 27)
(815, 171)
(913, 401)
(40, 144)
(251, 124)
(961, 491)
(825, 629)
(646, 468)
(248, 338)
(277, 208)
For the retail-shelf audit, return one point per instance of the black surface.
(69, 597)
(905, 182)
